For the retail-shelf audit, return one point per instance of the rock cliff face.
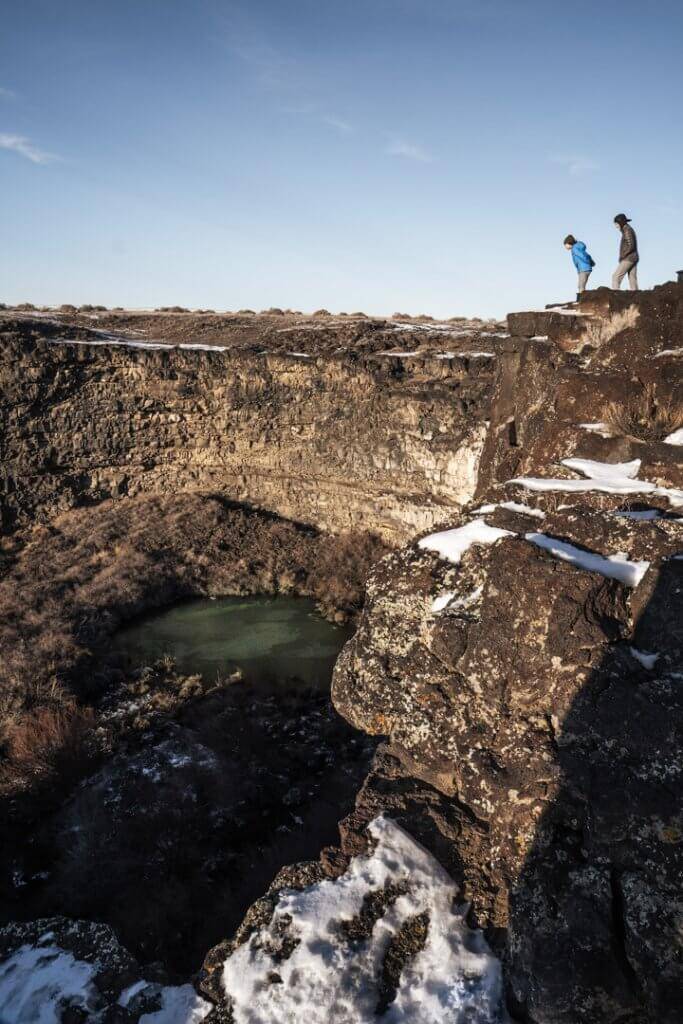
(525, 666)
(335, 436)
(522, 664)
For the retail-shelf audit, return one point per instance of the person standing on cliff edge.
(628, 254)
(582, 261)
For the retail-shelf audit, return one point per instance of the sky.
(421, 156)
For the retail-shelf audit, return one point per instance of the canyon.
(497, 512)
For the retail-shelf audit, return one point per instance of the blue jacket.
(582, 261)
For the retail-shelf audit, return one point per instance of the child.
(582, 261)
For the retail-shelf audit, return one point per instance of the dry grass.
(44, 742)
(67, 587)
(599, 331)
(644, 417)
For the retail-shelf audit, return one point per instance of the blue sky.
(383, 155)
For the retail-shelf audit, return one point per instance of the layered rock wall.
(381, 443)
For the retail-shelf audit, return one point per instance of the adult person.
(628, 254)
(582, 261)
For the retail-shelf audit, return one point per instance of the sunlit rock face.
(366, 434)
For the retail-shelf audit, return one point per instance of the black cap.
(622, 219)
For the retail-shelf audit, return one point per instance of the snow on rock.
(606, 477)
(646, 515)
(465, 355)
(437, 328)
(446, 600)
(38, 982)
(129, 994)
(512, 506)
(596, 428)
(604, 470)
(42, 982)
(203, 348)
(108, 341)
(127, 343)
(303, 967)
(646, 659)
(469, 599)
(179, 1005)
(402, 355)
(675, 438)
(616, 566)
(452, 544)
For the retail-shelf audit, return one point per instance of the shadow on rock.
(596, 916)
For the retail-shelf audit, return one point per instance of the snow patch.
(327, 978)
(647, 515)
(616, 567)
(179, 1005)
(125, 343)
(596, 428)
(465, 355)
(512, 506)
(401, 355)
(675, 438)
(606, 477)
(129, 994)
(440, 602)
(202, 348)
(37, 982)
(669, 352)
(452, 544)
(118, 342)
(469, 599)
(604, 470)
(646, 659)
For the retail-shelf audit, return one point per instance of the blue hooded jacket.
(582, 261)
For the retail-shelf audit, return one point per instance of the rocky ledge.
(517, 846)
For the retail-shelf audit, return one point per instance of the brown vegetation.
(600, 330)
(65, 588)
(644, 417)
(43, 742)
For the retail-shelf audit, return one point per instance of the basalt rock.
(527, 687)
(356, 427)
(73, 972)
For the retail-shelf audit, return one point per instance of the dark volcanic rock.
(74, 972)
(543, 754)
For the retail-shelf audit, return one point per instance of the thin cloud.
(24, 147)
(273, 71)
(343, 127)
(409, 151)
(7, 94)
(576, 164)
(312, 112)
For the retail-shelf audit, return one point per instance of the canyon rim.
(494, 512)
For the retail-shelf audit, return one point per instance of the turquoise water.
(272, 640)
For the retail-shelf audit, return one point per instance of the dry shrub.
(644, 417)
(338, 577)
(46, 741)
(120, 560)
(601, 330)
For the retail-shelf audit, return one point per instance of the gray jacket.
(628, 249)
